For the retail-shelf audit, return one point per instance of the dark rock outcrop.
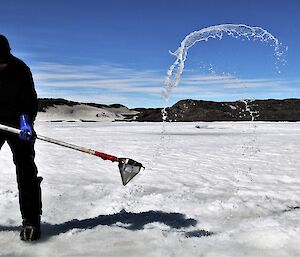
(44, 103)
(198, 110)
(149, 114)
(277, 110)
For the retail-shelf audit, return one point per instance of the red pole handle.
(105, 156)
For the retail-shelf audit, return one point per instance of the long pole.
(128, 168)
(102, 155)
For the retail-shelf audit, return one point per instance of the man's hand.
(26, 128)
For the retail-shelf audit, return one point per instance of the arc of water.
(234, 30)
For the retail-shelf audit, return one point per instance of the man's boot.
(31, 230)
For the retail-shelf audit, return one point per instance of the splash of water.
(253, 113)
(215, 32)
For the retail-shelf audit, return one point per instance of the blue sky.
(114, 51)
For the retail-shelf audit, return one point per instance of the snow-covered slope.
(84, 112)
(221, 189)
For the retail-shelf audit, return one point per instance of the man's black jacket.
(17, 93)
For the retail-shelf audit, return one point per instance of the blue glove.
(26, 132)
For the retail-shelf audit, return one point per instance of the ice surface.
(222, 189)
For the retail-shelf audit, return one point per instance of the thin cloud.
(112, 83)
(101, 77)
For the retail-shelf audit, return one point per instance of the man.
(18, 108)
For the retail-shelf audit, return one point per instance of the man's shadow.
(130, 221)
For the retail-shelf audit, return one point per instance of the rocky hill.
(63, 110)
(246, 110)
(184, 110)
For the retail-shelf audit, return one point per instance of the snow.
(83, 112)
(232, 107)
(221, 189)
